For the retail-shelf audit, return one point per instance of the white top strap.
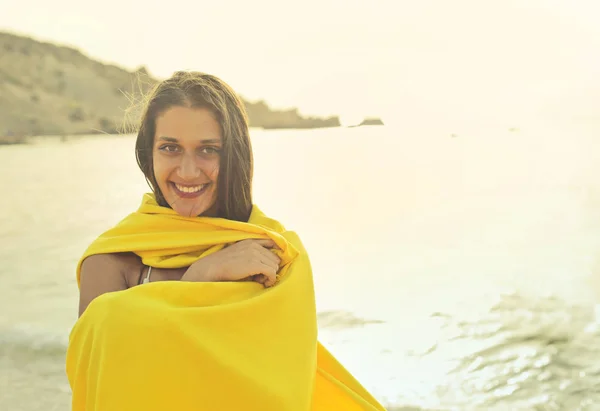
(147, 279)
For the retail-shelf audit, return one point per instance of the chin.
(194, 205)
(190, 210)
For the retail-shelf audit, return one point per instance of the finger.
(265, 253)
(267, 243)
(269, 255)
(269, 273)
(273, 265)
(245, 279)
(270, 282)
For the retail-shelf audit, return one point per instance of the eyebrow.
(174, 140)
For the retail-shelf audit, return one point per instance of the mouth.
(185, 191)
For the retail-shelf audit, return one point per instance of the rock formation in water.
(261, 115)
(47, 89)
(370, 121)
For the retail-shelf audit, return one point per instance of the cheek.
(161, 169)
(212, 170)
(156, 166)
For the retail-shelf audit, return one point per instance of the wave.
(338, 319)
(23, 338)
(524, 354)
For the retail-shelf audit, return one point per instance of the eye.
(169, 148)
(209, 150)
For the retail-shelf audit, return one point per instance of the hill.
(47, 89)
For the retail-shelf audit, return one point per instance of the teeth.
(189, 189)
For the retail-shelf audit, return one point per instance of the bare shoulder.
(101, 262)
(116, 262)
(104, 273)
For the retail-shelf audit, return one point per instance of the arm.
(246, 260)
(100, 274)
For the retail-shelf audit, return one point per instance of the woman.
(198, 301)
(194, 150)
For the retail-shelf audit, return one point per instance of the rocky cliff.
(47, 89)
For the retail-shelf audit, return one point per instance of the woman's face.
(186, 154)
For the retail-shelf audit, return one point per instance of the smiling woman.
(186, 167)
(194, 130)
(197, 300)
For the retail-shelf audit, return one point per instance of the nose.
(188, 169)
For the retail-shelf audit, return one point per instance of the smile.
(189, 191)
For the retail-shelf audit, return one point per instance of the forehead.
(188, 125)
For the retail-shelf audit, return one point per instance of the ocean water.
(452, 272)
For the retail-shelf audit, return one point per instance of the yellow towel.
(205, 346)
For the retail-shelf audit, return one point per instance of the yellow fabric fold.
(205, 346)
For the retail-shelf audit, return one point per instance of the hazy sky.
(394, 58)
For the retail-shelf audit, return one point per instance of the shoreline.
(13, 140)
(29, 139)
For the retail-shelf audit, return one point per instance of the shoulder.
(114, 260)
(104, 273)
(125, 264)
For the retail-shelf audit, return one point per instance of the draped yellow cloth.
(205, 346)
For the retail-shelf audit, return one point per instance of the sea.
(454, 269)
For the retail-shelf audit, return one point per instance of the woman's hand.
(244, 260)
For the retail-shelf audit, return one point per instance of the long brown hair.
(200, 90)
